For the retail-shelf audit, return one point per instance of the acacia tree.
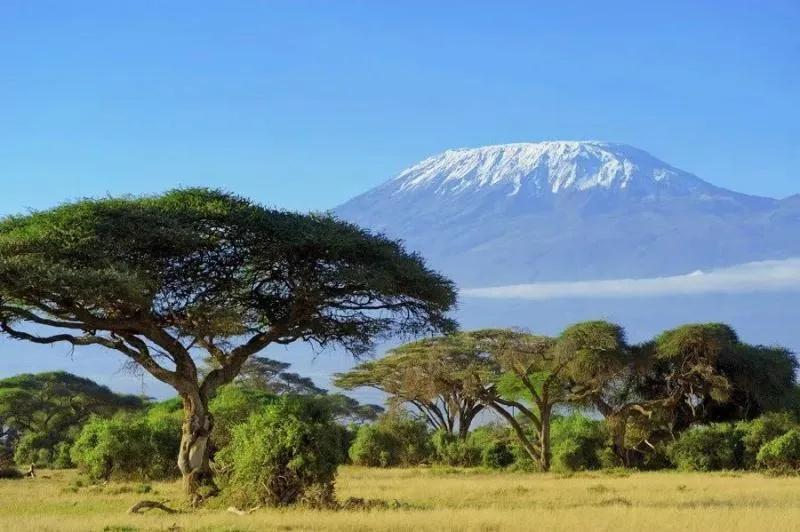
(528, 381)
(693, 373)
(271, 375)
(603, 375)
(160, 279)
(50, 406)
(434, 375)
(450, 379)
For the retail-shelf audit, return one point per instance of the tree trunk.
(617, 425)
(194, 454)
(544, 437)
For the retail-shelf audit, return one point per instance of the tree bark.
(544, 437)
(617, 424)
(194, 454)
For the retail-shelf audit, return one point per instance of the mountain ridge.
(571, 210)
(561, 165)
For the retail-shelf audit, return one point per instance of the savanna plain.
(432, 499)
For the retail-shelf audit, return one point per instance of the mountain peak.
(567, 210)
(545, 168)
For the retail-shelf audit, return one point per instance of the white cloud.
(769, 275)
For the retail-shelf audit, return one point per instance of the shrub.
(35, 448)
(495, 444)
(498, 454)
(395, 440)
(578, 443)
(374, 446)
(450, 450)
(61, 458)
(782, 453)
(233, 405)
(707, 448)
(287, 453)
(761, 430)
(134, 447)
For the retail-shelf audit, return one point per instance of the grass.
(434, 500)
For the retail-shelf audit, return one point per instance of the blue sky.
(305, 104)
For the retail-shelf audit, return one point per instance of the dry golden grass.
(438, 500)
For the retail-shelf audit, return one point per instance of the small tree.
(708, 448)
(196, 271)
(45, 411)
(578, 443)
(431, 375)
(759, 431)
(128, 447)
(781, 454)
(287, 453)
(526, 381)
(266, 374)
(396, 439)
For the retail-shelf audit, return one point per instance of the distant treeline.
(675, 400)
(694, 397)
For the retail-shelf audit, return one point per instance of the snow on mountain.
(569, 211)
(544, 167)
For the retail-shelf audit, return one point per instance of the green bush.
(761, 430)
(494, 441)
(578, 443)
(782, 453)
(498, 454)
(233, 405)
(374, 446)
(61, 458)
(708, 448)
(395, 440)
(287, 453)
(450, 450)
(43, 450)
(133, 447)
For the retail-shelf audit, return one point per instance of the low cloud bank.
(768, 275)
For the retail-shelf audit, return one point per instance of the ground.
(435, 499)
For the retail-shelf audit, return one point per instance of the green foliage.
(453, 451)
(596, 349)
(46, 410)
(708, 448)
(287, 453)
(156, 278)
(497, 454)
(437, 376)
(145, 261)
(579, 443)
(495, 443)
(270, 376)
(347, 410)
(374, 446)
(763, 379)
(233, 405)
(131, 447)
(395, 440)
(782, 453)
(761, 430)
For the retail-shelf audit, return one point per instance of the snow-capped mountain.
(563, 210)
(546, 168)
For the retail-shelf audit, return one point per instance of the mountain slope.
(570, 211)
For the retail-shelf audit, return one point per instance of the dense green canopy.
(160, 278)
(45, 409)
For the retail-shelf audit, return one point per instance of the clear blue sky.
(305, 104)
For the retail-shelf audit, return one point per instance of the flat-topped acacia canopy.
(158, 277)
